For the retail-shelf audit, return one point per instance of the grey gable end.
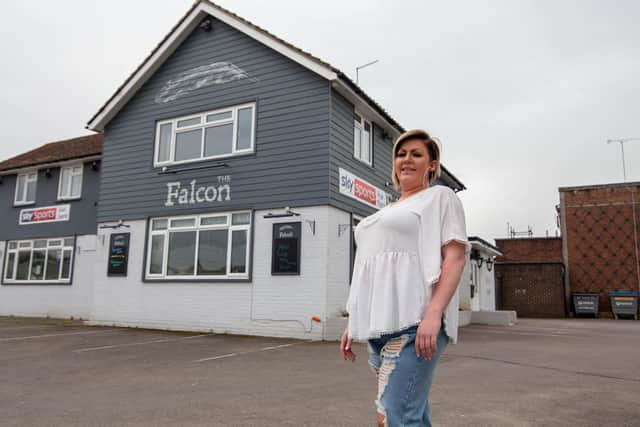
(291, 158)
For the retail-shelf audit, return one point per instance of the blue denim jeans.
(404, 379)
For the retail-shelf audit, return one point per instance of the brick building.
(600, 245)
(530, 277)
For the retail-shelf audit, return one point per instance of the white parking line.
(56, 335)
(106, 347)
(516, 332)
(224, 356)
(11, 328)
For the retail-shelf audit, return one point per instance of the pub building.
(234, 168)
(48, 199)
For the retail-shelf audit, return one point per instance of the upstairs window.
(26, 188)
(208, 135)
(70, 185)
(362, 139)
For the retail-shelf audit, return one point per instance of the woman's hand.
(427, 335)
(345, 346)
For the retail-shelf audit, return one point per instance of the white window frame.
(204, 125)
(30, 244)
(358, 126)
(20, 199)
(197, 228)
(64, 193)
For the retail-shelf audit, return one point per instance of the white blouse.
(398, 260)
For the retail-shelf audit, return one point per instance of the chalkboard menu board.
(285, 256)
(118, 254)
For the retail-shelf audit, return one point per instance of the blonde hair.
(431, 144)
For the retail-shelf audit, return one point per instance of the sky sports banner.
(45, 214)
(362, 191)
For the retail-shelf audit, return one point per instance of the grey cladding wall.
(341, 156)
(289, 166)
(82, 218)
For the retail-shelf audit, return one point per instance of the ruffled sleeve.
(452, 220)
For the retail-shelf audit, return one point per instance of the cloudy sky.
(523, 94)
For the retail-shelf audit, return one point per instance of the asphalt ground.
(572, 372)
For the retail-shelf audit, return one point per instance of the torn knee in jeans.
(394, 346)
(390, 352)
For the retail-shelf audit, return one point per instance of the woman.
(403, 297)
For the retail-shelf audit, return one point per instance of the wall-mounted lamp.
(490, 262)
(343, 228)
(119, 224)
(94, 165)
(287, 212)
(206, 25)
(47, 173)
(312, 224)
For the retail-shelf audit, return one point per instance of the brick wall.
(529, 276)
(536, 249)
(601, 239)
(532, 290)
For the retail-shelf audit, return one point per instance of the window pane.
(165, 142)
(356, 142)
(214, 220)
(218, 140)
(238, 251)
(157, 253)
(25, 244)
(31, 191)
(20, 188)
(40, 244)
(182, 247)
(37, 265)
(66, 264)
(64, 185)
(13, 245)
(245, 117)
(11, 259)
(212, 254)
(188, 222)
(366, 141)
(53, 264)
(55, 243)
(68, 241)
(76, 180)
(159, 224)
(241, 218)
(22, 272)
(219, 116)
(77, 170)
(189, 122)
(188, 145)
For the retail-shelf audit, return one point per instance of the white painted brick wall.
(269, 306)
(58, 301)
(338, 258)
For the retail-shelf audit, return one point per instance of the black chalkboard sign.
(118, 254)
(285, 256)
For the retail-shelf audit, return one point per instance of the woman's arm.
(453, 261)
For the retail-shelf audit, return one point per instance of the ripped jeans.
(404, 379)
